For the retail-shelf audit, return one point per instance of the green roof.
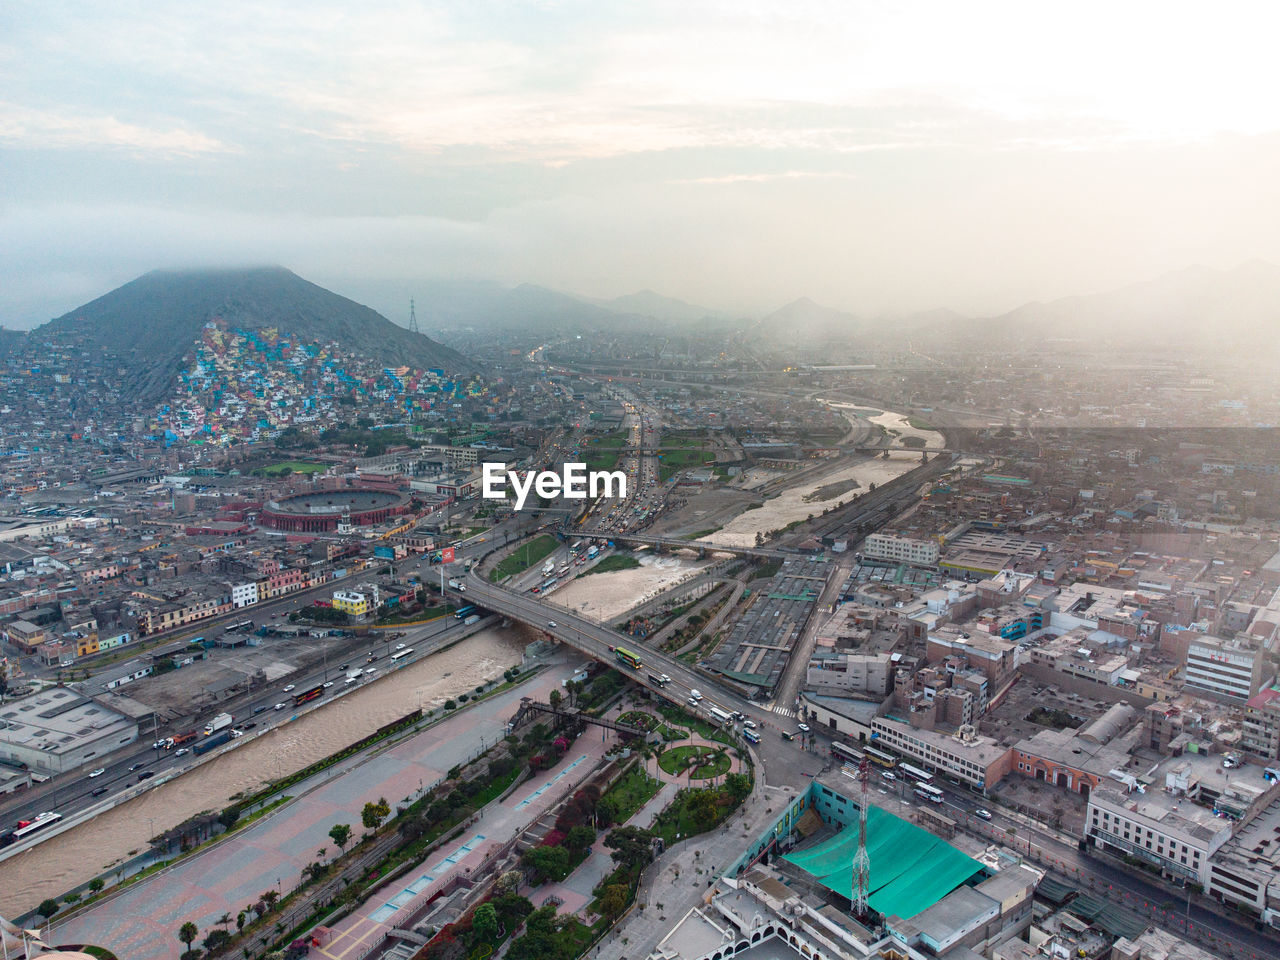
(911, 869)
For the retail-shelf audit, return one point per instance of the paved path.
(142, 921)
(683, 779)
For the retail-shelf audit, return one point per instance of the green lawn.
(524, 557)
(676, 761)
(672, 462)
(602, 453)
(613, 562)
(699, 534)
(633, 790)
(293, 466)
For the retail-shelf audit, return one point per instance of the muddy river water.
(59, 863)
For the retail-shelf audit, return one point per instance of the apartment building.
(974, 759)
(1224, 668)
(351, 602)
(1261, 727)
(895, 549)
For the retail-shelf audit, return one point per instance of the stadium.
(321, 512)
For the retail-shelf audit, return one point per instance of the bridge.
(571, 716)
(701, 546)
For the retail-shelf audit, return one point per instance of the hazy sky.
(874, 156)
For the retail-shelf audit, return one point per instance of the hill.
(150, 324)
(1226, 310)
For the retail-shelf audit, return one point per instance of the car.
(159, 745)
(136, 766)
(399, 646)
(804, 727)
(788, 735)
(97, 773)
(290, 688)
(343, 667)
(369, 670)
(99, 791)
(181, 751)
(694, 694)
(146, 775)
(889, 775)
(982, 813)
(749, 724)
(552, 624)
(258, 710)
(327, 684)
(663, 678)
(250, 725)
(351, 680)
(278, 706)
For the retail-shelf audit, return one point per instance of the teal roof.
(911, 869)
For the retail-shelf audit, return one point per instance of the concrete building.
(1247, 868)
(244, 594)
(1224, 668)
(846, 674)
(895, 549)
(1081, 760)
(993, 656)
(1261, 726)
(969, 757)
(57, 730)
(351, 602)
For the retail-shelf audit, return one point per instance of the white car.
(749, 724)
(97, 773)
(982, 813)
(291, 687)
(695, 694)
(327, 684)
(888, 775)
(278, 706)
(804, 727)
(552, 624)
(399, 646)
(181, 751)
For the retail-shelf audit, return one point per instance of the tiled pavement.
(141, 922)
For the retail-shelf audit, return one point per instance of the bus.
(845, 754)
(880, 758)
(926, 792)
(721, 716)
(751, 736)
(305, 695)
(464, 612)
(26, 828)
(401, 654)
(627, 657)
(915, 773)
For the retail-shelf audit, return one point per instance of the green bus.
(627, 657)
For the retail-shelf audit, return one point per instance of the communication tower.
(861, 859)
(413, 318)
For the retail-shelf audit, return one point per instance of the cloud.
(41, 129)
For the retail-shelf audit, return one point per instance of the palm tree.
(187, 933)
(224, 920)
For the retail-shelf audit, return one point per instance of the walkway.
(139, 923)
(683, 779)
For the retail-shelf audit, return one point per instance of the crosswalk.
(783, 711)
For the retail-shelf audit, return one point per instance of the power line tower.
(413, 318)
(862, 860)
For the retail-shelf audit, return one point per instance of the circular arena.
(321, 512)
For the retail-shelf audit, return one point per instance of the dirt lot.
(697, 510)
(1008, 723)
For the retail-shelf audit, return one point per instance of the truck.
(220, 722)
(182, 738)
(474, 618)
(548, 567)
(208, 743)
(354, 673)
(457, 585)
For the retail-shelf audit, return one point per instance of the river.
(60, 863)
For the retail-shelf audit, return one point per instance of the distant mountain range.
(153, 322)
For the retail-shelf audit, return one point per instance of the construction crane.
(861, 887)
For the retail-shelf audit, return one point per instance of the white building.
(244, 594)
(886, 546)
(1224, 668)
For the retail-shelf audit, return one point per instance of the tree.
(270, 897)
(485, 922)
(554, 699)
(96, 884)
(215, 940)
(229, 816)
(340, 834)
(580, 837)
(631, 847)
(546, 863)
(188, 932)
(614, 900)
(47, 908)
(374, 813)
(512, 908)
(738, 785)
(241, 919)
(704, 809)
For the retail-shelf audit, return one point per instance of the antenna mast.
(413, 318)
(862, 860)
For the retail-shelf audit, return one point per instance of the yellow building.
(351, 602)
